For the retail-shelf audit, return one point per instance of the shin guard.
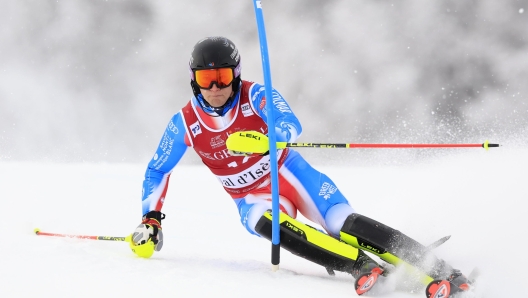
(310, 243)
(392, 246)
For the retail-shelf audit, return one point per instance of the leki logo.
(370, 247)
(211, 64)
(294, 228)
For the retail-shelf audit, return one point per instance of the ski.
(437, 243)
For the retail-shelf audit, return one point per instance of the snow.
(476, 196)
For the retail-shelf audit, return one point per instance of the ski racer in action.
(223, 104)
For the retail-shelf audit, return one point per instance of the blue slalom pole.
(275, 236)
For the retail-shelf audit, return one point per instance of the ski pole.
(281, 145)
(108, 238)
(254, 142)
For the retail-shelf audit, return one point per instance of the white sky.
(473, 195)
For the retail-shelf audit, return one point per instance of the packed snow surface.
(476, 196)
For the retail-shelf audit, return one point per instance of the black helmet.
(215, 52)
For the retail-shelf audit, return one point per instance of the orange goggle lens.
(222, 77)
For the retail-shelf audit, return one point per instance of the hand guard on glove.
(247, 143)
(148, 236)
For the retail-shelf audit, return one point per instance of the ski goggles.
(222, 77)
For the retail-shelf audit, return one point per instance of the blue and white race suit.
(246, 179)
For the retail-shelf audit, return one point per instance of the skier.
(223, 104)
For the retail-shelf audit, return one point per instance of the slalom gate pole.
(108, 238)
(485, 145)
(275, 235)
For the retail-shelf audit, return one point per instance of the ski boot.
(366, 272)
(454, 284)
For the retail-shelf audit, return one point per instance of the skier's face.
(217, 97)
